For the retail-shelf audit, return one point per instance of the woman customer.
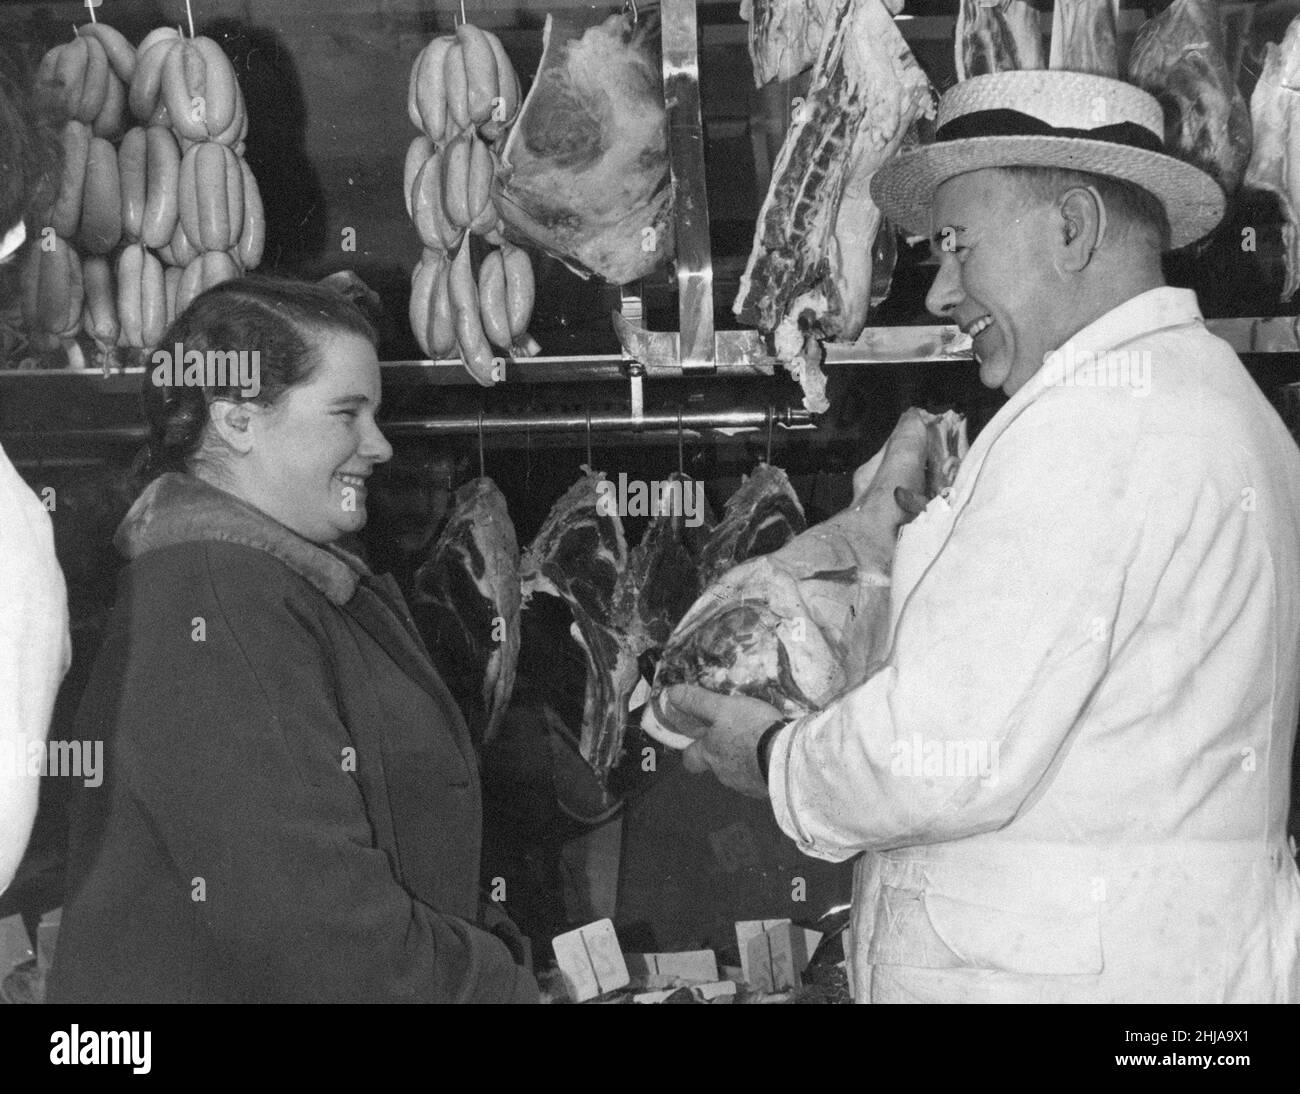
(291, 809)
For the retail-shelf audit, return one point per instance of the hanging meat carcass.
(579, 556)
(798, 627)
(786, 35)
(1275, 117)
(662, 578)
(466, 602)
(884, 252)
(585, 173)
(997, 36)
(810, 267)
(763, 515)
(1179, 58)
(1085, 37)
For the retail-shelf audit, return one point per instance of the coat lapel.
(378, 608)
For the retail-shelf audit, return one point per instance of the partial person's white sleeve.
(996, 654)
(35, 651)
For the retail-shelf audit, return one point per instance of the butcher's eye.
(349, 414)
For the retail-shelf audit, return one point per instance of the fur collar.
(178, 508)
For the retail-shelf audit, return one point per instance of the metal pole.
(681, 67)
(600, 422)
(576, 422)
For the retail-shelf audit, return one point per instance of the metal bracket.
(636, 392)
(660, 352)
(631, 309)
(681, 67)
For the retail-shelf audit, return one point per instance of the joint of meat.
(803, 624)
(585, 169)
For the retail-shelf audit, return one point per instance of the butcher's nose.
(946, 292)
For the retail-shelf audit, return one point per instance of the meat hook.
(680, 468)
(589, 464)
(770, 415)
(629, 8)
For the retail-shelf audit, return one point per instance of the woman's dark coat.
(291, 810)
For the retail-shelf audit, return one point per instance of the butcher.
(1068, 781)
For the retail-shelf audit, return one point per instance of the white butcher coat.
(1071, 777)
(35, 652)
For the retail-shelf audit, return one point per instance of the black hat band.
(1013, 123)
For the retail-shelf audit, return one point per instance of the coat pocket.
(928, 924)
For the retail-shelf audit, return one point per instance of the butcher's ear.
(1082, 227)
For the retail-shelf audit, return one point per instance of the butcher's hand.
(726, 729)
(911, 504)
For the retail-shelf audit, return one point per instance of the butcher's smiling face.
(996, 279)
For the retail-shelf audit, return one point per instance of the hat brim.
(904, 188)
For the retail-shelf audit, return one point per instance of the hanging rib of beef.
(1179, 58)
(1275, 158)
(997, 36)
(1085, 37)
(662, 578)
(810, 266)
(785, 35)
(579, 556)
(466, 603)
(763, 515)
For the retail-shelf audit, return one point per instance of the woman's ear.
(232, 421)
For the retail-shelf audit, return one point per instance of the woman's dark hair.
(276, 317)
(30, 149)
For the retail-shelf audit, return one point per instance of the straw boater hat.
(1045, 118)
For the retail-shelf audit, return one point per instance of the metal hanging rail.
(603, 421)
(468, 425)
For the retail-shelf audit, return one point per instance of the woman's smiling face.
(310, 454)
